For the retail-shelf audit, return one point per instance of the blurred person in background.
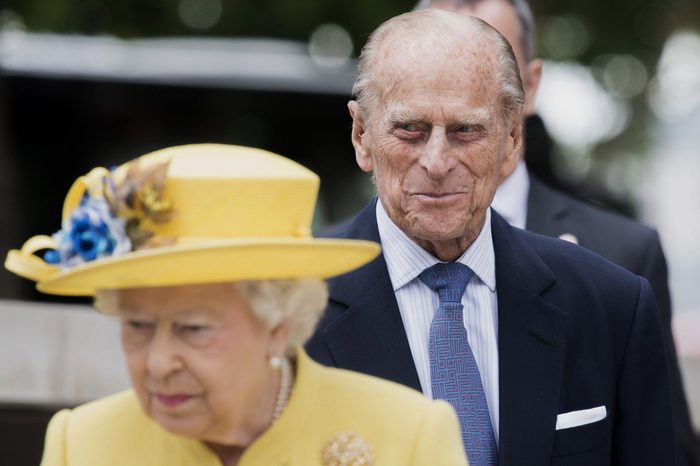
(526, 202)
(204, 254)
(548, 353)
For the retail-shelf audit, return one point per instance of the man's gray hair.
(449, 30)
(522, 9)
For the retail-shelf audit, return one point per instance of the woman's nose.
(163, 356)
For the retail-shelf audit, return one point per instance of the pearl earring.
(276, 362)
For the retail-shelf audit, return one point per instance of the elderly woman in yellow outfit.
(204, 254)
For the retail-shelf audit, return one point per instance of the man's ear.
(362, 155)
(514, 147)
(532, 84)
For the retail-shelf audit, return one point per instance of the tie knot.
(449, 279)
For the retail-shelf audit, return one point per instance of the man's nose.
(163, 356)
(437, 159)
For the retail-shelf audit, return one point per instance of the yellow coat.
(331, 411)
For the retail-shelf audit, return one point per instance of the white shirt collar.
(511, 197)
(406, 260)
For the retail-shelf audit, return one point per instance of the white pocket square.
(581, 418)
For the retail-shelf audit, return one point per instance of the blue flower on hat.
(113, 218)
(91, 232)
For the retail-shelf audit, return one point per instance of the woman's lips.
(172, 401)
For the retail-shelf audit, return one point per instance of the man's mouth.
(437, 196)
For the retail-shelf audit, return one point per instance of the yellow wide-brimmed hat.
(201, 213)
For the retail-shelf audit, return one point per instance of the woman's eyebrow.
(199, 311)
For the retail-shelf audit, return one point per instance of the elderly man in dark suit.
(527, 202)
(546, 351)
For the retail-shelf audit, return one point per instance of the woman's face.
(198, 359)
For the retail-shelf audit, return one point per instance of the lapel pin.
(569, 237)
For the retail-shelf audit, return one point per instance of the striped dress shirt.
(418, 303)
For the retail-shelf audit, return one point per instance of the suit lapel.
(369, 335)
(532, 345)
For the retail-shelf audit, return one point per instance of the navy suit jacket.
(633, 246)
(574, 332)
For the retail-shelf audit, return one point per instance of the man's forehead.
(406, 45)
(461, 74)
(417, 110)
(431, 56)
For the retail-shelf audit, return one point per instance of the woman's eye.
(409, 127)
(137, 331)
(139, 325)
(197, 334)
(193, 328)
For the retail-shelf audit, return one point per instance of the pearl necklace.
(285, 390)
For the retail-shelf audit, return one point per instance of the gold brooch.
(347, 449)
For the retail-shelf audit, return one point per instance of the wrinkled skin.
(436, 141)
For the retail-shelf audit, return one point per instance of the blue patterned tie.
(453, 371)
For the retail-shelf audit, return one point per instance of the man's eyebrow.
(401, 115)
(474, 117)
(477, 116)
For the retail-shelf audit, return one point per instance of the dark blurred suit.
(619, 239)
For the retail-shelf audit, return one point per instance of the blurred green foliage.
(290, 19)
(590, 32)
(617, 26)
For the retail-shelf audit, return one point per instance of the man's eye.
(468, 132)
(408, 131)
(466, 129)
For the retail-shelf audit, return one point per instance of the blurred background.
(96, 82)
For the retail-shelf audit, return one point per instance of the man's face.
(502, 16)
(436, 142)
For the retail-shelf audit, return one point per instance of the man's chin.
(438, 232)
(451, 225)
